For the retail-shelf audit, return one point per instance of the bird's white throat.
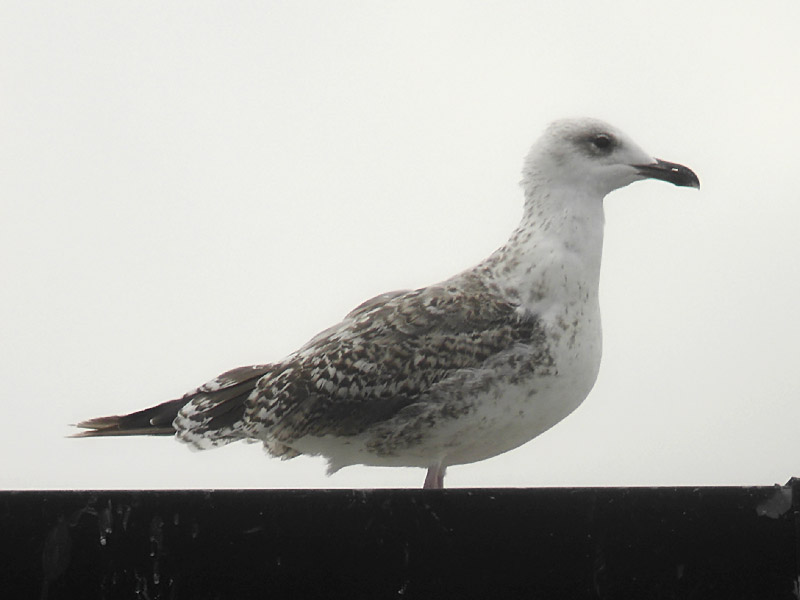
(553, 257)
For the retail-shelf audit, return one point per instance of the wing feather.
(385, 355)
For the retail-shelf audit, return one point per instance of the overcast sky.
(188, 187)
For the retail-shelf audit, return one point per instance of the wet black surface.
(609, 543)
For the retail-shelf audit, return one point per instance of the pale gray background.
(188, 187)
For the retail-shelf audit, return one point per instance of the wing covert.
(385, 355)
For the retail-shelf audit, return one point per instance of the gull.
(449, 374)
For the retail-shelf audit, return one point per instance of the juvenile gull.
(449, 374)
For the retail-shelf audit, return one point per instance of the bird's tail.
(208, 416)
(156, 420)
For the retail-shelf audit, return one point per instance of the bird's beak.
(672, 172)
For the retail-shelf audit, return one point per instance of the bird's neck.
(553, 257)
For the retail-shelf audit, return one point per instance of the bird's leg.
(440, 478)
(434, 480)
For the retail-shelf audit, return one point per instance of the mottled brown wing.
(383, 357)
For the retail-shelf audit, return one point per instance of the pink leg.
(434, 480)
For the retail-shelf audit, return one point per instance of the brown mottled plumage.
(452, 373)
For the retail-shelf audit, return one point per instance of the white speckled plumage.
(452, 373)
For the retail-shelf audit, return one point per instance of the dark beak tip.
(690, 179)
(671, 172)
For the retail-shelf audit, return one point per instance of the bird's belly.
(507, 419)
(518, 404)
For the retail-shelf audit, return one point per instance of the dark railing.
(604, 543)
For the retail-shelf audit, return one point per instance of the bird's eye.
(602, 141)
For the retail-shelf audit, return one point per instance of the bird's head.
(592, 155)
